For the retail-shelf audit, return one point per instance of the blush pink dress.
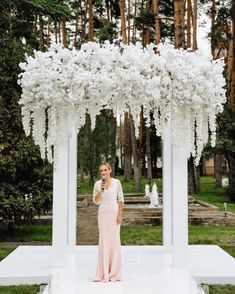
(109, 266)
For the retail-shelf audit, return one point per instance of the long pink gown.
(109, 266)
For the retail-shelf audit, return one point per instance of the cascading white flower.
(171, 83)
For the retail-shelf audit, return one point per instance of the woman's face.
(105, 171)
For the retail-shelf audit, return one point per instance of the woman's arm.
(97, 192)
(98, 196)
(120, 209)
(120, 202)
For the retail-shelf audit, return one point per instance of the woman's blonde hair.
(106, 164)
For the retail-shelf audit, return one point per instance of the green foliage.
(220, 33)
(107, 31)
(145, 19)
(100, 144)
(208, 151)
(53, 8)
(17, 17)
(22, 171)
(226, 143)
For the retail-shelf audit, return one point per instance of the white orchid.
(186, 86)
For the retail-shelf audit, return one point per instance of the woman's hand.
(99, 196)
(102, 186)
(119, 219)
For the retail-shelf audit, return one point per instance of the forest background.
(26, 180)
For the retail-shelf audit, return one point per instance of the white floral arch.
(184, 90)
(186, 85)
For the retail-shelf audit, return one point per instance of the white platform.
(146, 269)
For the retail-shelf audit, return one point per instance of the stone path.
(87, 232)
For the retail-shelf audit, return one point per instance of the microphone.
(103, 181)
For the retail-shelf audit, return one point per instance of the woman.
(108, 195)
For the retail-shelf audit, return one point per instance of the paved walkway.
(87, 233)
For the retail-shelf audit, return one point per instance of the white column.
(72, 197)
(167, 190)
(60, 200)
(180, 206)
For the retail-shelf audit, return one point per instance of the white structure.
(65, 84)
(147, 192)
(154, 200)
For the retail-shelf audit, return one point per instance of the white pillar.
(72, 197)
(60, 199)
(167, 190)
(180, 206)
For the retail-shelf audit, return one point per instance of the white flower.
(66, 83)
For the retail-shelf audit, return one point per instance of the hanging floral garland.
(62, 83)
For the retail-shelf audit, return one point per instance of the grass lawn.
(222, 289)
(4, 251)
(23, 289)
(27, 233)
(210, 194)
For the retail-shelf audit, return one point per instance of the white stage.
(146, 269)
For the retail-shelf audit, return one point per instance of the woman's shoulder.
(97, 182)
(117, 180)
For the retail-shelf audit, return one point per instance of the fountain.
(154, 202)
(147, 192)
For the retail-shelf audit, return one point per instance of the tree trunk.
(218, 169)
(147, 32)
(129, 22)
(194, 25)
(189, 17)
(213, 12)
(84, 21)
(156, 22)
(113, 144)
(231, 66)
(91, 21)
(134, 27)
(127, 148)
(121, 142)
(141, 129)
(59, 31)
(179, 23)
(123, 21)
(81, 174)
(41, 40)
(49, 34)
(143, 29)
(35, 25)
(108, 10)
(76, 32)
(141, 147)
(136, 157)
(203, 166)
(56, 32)
(193, 177)
(148, 154)
(231, 176)
(64, 33)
